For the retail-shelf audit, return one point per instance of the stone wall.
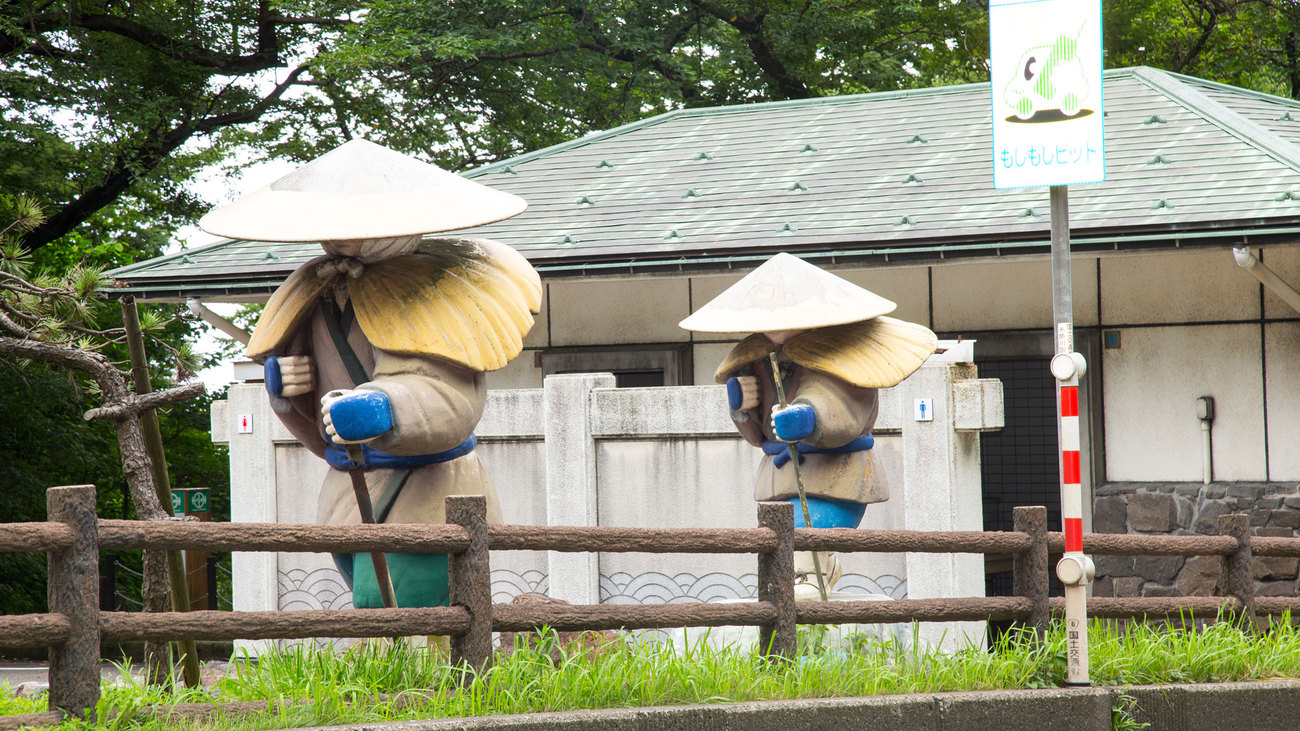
(1192, 509)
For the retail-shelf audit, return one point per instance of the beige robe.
(844, 413)
(435, 406)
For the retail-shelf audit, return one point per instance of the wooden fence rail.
(74, 627)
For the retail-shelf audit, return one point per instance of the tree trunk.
(157, 598)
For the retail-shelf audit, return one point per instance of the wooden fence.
(74, 627)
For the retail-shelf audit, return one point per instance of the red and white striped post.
(1074, 569)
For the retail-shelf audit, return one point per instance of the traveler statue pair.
(375, 355)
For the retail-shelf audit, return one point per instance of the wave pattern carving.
(324, 588)
(657, 588)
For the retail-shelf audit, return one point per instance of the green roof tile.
(1235, 150)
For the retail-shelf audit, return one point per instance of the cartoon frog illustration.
(1048, 78)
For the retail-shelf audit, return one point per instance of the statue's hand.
(794, 422)
(742, 393)
(355, 416)
(290, 375)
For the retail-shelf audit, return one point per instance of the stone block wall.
(1192, 509)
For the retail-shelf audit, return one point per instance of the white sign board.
(1047, 92)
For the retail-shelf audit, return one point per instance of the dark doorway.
(1020, 464)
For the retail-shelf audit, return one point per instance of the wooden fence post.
(471, 582)
(1029, 568)
(776, 579)
(1235, 578)
(74, 592)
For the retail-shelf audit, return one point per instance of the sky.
(216, 186)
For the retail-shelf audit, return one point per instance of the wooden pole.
(1029, 567)
(471, 583)
(776, 580)
(74, 593)
(1235, 578)
(177, 580)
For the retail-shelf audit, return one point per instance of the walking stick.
(798, 476)
(358, 474)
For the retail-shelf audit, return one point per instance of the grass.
(378, 682)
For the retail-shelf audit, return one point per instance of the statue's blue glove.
(355, 416)
(288, 376)
(735, 396)
(794, 422)
(742, 393)
(271, 374)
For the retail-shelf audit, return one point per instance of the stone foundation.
(1192, 509)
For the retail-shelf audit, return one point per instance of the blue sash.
(337, 456)
(780, 451)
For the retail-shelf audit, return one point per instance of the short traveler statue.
(375, 353)
(832, 348)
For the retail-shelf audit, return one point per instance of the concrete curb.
(1258, 706)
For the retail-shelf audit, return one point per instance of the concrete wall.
(1190, 323)
(580, 452)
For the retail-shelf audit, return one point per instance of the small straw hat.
(787, 293)
(361, 190)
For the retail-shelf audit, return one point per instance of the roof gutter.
(1271, 281)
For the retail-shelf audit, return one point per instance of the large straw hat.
(787, 293)
(361, 190)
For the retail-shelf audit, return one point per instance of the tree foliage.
(124, 99)
(467, 83)
(50, 336)
(111, 107)
(1250, 43)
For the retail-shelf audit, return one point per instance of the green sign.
(190, 500)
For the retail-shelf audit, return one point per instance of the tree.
(47, 319)
(124, 101)
(127, 99)
(1249, 43)
(468, 83)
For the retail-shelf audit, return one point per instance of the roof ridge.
(1234, 123)
(1237, 90)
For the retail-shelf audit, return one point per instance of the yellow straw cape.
(467, 301)
(875, 353)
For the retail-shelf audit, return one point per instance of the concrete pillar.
(571, 480)
(944, 409)
(245, 422)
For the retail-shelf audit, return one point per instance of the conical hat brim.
(361, 190)
(787, 293)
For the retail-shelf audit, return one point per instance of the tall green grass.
(383, 682)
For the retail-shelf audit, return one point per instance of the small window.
(633, 367)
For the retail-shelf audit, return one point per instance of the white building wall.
(1151, 387)
(1172, 294)
(1176, 287)
(1281, 363)
(1285, 262)
(605, 311)
(1015, 294)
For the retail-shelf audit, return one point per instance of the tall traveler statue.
(375, 352)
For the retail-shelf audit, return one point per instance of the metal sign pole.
(1074, 569)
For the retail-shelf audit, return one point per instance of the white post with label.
(1048, 129)
(1075, 569)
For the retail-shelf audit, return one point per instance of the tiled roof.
(874, 176)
